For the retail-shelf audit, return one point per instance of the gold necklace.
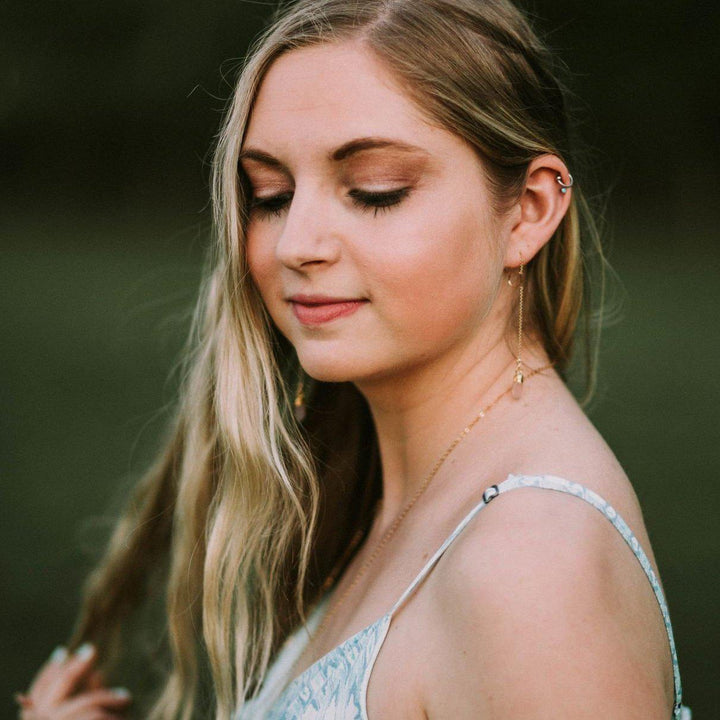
(329, 581)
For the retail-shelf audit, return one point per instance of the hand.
(68, 687)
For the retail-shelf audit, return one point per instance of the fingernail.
(58, 654)
(84, 651)
(120, 692)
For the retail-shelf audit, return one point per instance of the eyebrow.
(339, 154)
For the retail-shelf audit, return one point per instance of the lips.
(315, 310)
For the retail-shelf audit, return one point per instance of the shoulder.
(540, 609)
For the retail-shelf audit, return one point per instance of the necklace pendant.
(517, 384)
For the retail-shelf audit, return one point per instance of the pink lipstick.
(317, 309)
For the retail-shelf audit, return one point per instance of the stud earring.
(299, 403)
(518, 377)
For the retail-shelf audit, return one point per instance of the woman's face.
(356, 197)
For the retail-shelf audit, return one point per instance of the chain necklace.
(330, 580)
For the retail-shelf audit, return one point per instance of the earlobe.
(542, 205)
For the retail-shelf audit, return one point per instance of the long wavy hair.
(245, 510)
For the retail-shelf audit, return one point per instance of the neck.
(417, 416)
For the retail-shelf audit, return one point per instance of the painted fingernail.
(121, 692)
(84, 651)
(58, 654)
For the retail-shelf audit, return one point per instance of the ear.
(539, 210)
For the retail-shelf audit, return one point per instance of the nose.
(309, 235)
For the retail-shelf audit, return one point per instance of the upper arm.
(534, 619)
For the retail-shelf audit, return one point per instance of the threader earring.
(518, 377)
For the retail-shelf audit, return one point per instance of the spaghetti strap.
(552, 482)
(488, 495)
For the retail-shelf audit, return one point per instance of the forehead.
(315, 98)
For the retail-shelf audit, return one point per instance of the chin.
(331, 371)
(332, 367)
(330, 363)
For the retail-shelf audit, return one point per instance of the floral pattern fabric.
(334, 687)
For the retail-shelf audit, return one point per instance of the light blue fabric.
(335, 687)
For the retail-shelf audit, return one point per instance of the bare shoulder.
(539, 609)
(565, 443)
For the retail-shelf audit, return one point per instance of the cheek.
(260, 262)
(438, 278)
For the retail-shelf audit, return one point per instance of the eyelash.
(365, 201)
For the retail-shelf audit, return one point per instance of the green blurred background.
(107, 115)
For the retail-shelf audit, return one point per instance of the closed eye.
(366, 201)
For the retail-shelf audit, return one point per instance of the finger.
(73, 672)
(95, 680)
(90, 714)
(23, 701)
(49, 671)
(112, 701)
(27, 707)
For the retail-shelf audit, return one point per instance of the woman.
(401, 246)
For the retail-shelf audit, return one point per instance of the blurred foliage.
(107, 116)
(111, 105)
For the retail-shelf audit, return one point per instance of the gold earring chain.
(518, 378)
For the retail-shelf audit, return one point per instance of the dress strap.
(488, 495)
(552, 482)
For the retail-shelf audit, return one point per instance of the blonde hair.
(245, 511)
